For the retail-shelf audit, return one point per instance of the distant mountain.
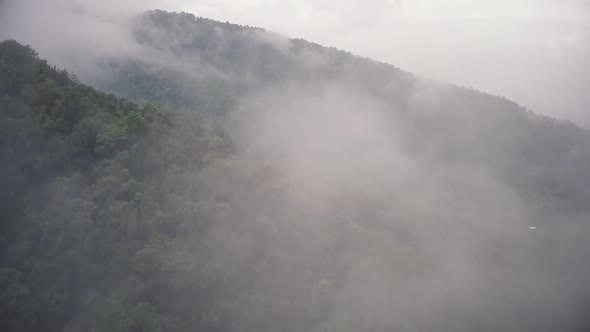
(243, 181)
(208, 66)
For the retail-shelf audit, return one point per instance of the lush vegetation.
(83, 220)
(147, 214)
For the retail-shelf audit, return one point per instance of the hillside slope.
(255, 183)
(81, 172)
(211, 67)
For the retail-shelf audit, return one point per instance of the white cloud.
(532, 51)
(535, 52)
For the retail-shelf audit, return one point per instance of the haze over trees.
(231, 179)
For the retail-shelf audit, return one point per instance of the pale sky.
(535, 52)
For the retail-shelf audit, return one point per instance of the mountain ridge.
(305, 192)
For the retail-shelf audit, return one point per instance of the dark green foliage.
(83, 231)
(142, 216)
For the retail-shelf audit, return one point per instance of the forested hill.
(210, 67)
(82, 225)
(250, 182)
(201, 63)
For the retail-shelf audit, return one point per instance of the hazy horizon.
(533, 52)
(193, 175)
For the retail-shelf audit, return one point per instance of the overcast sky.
(536, 52)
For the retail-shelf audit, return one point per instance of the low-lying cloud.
(351, 229)
(534, 52)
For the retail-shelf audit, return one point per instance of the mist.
(355, 227)
(533, 52)
(341, 194)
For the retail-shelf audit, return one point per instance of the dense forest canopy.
(232, 179)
